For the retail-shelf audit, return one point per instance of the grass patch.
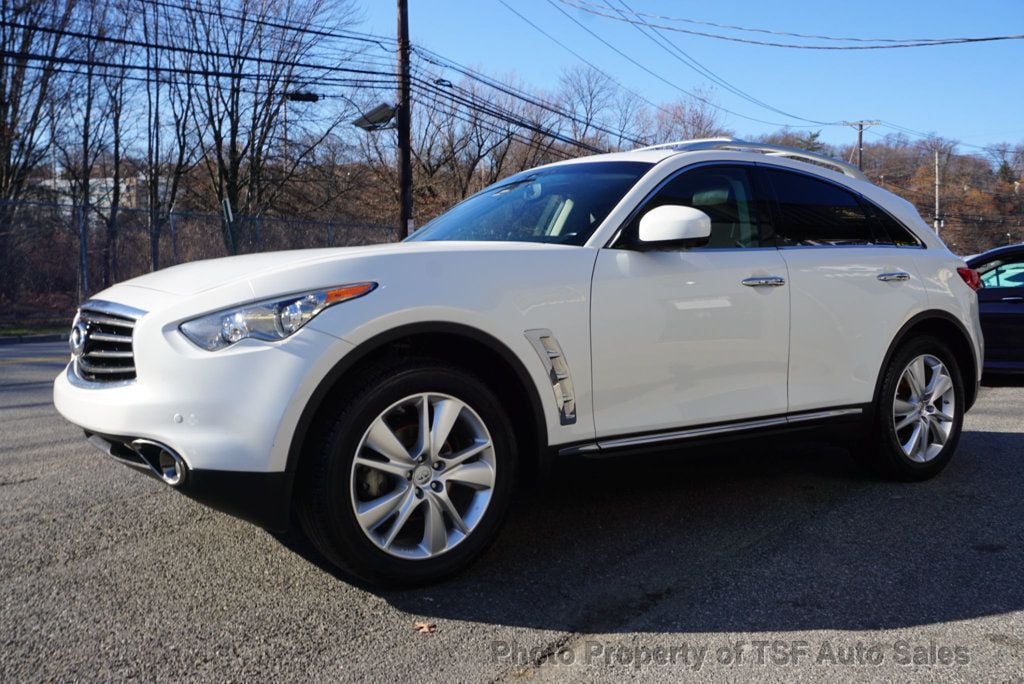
(14, 330)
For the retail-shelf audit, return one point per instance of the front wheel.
(413, 476)
(918, 414)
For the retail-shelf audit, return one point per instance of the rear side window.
(815, 212)
(889, 231)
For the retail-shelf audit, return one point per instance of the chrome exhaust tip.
(164, 461)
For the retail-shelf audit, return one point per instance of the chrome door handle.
(1013, 299)
(899, 276)
(765, 281)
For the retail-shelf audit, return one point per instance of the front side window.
(814, 212)
(1003, 273)
(561, 204)
(726, 194)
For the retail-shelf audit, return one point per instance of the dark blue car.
(1002, 307)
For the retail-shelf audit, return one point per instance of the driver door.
(687, 337)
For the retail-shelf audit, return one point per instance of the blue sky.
(973, 92)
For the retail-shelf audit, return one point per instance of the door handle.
(898, 277)
(764, 281)
(1013, 299)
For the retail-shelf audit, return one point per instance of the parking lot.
(766, 561)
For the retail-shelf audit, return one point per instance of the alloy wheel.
(924, 408)
(422, 476)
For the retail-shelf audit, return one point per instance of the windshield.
(561, 204)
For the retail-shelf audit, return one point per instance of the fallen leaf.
(424, 627)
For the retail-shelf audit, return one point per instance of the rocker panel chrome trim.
(709, 431)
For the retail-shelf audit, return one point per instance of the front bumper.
(227, 410)
(229, 415)
(260, 498)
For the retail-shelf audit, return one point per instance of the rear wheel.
(918, 415)
(413, 476)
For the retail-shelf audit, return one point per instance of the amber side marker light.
(340, 294)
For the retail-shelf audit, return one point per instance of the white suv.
(387, 396)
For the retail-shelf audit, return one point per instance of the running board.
(638, 441)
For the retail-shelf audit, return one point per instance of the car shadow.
(755, 537)
(1002, 380)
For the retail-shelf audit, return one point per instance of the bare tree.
(687, 119)
(252, 60)
(589, 96)
(28, 71)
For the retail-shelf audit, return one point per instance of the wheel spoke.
(941, 416)
(383, 440)
(435, 535)
(390, 467)
(446, 412)
(478, 474)
(910, 446)
(448, 507)
(915, 377)
(908, 420)
(409, 504)
(940, 384)
(423, 427)
(371, 513)
(901, 407)
(938, 435)
(466, 454)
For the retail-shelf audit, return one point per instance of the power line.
(510, 117)
(529, 99)
(794, 46)
(234, 57)
(680, 55)
(659, 76)
(432, 105)
(582, 58)
(927, 136)
(771, 32)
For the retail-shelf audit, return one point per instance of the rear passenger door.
(853, 284)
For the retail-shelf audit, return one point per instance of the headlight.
(270, 320)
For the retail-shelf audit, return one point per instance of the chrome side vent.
(101, 342)
(551, 355)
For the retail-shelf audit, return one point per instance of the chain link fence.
(45, 270)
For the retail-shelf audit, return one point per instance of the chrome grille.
(103, 351)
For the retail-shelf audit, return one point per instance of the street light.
(377, 118)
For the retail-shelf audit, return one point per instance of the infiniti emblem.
(79, 335)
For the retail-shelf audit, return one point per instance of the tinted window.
(889, 231)
(1003, 273)
(815, 212)
(560, 204)
(724, 193)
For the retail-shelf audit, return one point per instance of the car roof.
(995, 253)
(726, 148)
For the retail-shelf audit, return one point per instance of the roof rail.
(764, 148)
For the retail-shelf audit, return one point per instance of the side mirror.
(672, 224)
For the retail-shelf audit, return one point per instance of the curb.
(17, 339)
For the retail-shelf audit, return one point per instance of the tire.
(396, 539)
(888, 449)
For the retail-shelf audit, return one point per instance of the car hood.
(200, 276)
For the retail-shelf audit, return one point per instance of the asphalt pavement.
(765, 561)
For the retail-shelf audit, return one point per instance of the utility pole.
(859, 125)
(938, 217)
(403, 121)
